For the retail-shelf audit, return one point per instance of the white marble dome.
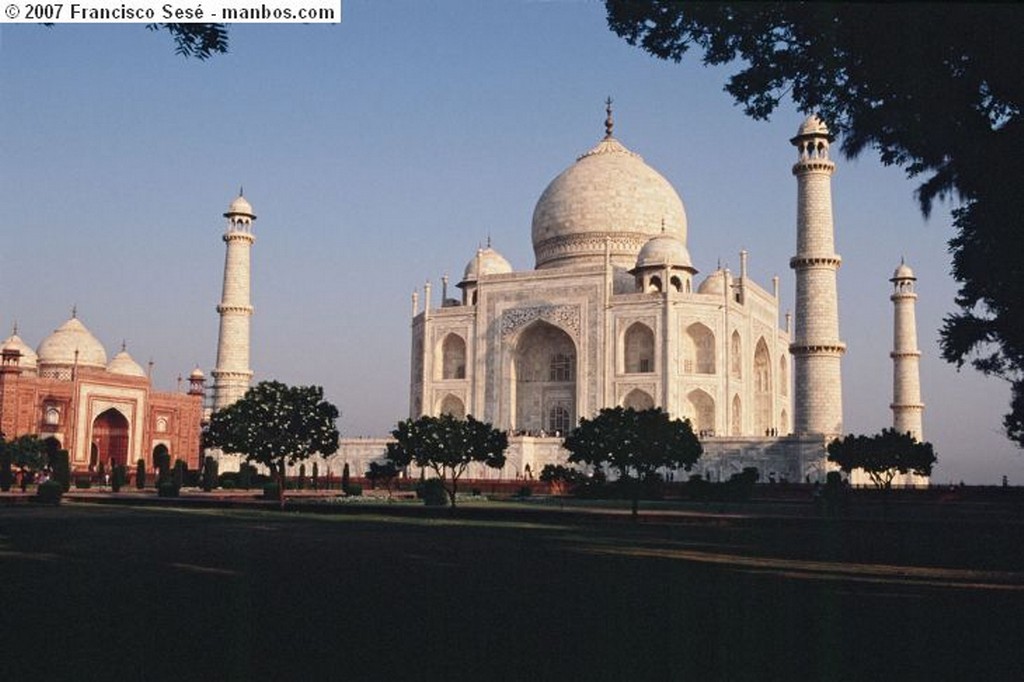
(125, 365)
(664, 250)
(240, 207)
(28, 358)
(608, 196)
(812, 125)
(903, 272)
(59, 347)
(715, 283)
(487, 261)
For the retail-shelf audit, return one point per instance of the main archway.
(545, 380)
(110, 436)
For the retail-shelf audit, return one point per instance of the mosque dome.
(124, 364)
(664, 250)
(28, 356)
(812, 125)
(609, 196)
(196, 375)
(715, 283)
(59, 347)
(240, 207)
(903, 272)
(487, 261)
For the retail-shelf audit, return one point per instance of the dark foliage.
(883, 455)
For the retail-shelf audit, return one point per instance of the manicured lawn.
(93, 592)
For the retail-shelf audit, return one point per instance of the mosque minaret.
(232, 375)
(907, 407)
(816, 348)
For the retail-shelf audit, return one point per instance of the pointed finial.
(124, 345)
(241, 191)
(74, 311)
(609, 122)
(14, 332)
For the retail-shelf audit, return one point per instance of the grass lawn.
(96, 593)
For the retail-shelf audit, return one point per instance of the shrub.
(50, 492)
(271, 491)
(209, 473)
(354, 490)
(6, 475)
(434, 493)
(344, 477)
(118, 475)
(162, 462)
(83, 482)
(228, 484)
(178, 474)
(61, 465)
(168, 489)
(302, 476)
(524, 491)
(140, 474)
(245, 475)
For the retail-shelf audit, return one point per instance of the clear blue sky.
(379, 153)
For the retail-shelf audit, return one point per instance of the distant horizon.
(380, 153)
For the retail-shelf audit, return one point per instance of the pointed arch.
(544, 370)
(110, 431)
(638, 349)
(762, 389)
(737, 416)
(698, 350)
(638, 400)
(453, 405)
(701, 412)
(654, 286)
(783, 375)
(735, 356)
(453, 357)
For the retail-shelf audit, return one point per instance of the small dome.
(715, 283)
(59, 347)
(487, 261)
(240, 207)
(28, 356)
(609, 196)
(812, 125)
(664, 250)
(124, 364)
(196, 375)
(903, 272)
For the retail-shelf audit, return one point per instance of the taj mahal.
(614, 313)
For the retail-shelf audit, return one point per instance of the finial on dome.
(74, 310)
(124, 345)
(241, 191)
(488, 240)
(609, 122)
(14, 331)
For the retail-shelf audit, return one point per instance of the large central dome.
(608, 196)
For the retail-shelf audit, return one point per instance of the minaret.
(907, 407)
(232, 375)
(816, 348)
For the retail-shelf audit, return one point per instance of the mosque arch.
(737, 417)
(110, 431)
(638, 400)
(762, 389)
(544, 370)
(736, 356)
(654, 286)
(699, 350)
(453, 357)
(453, 405)
(638, 349)
(676, 283)
(702, 411)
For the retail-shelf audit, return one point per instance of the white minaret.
(816, 348)
(907, 407)
(232, 375)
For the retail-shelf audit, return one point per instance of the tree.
(26, 453)
(447, 446)
(882, 456)
(385, 474)
(276, 425)
(935, 91)
(634, 443)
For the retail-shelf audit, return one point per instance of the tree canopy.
(634, 443)
(882, 456)
(934, 90)
(274, 424)
(447, 445)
